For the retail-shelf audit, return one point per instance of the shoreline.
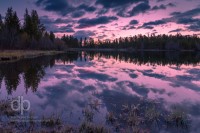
(15, 55)
(126, 50)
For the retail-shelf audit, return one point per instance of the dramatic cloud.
(152, 23)
(51, 24)
(64, 7)
(131, 27)
(176, 30)
(86, 8)
(78, 14)
(102, 11)
(133, 22)
(160, 0)
(187, 20)
(107, 17)
(64, 29)
(83, 23)
(83, 34)
(148, 27)
(163, 7)
(190, 13)
(100, 27)
(116, 3)
(140, 8)
(47, 20)
(194, 27)
(102, 36)
(60, 6)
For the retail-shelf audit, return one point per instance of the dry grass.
(8, 55)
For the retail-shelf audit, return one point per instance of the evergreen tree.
(12, 25)
(52, 36)
(80, 42)
(1, 23)
(16, 22)
(27, 23)
(35, 25)
(12, 21)
(85, 42)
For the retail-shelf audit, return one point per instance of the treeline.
(143, 42)
(29, 35)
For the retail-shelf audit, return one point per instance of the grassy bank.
(145, 117)
(12, 55)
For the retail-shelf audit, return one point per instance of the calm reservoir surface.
(68, 84)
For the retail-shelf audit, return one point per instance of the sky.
(109, 19)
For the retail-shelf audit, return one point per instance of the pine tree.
(27, 23)
(80, 42)
(16, 22)
(12, 25)
(85, 41)
(37, 28)
(52, 36)
(1, 23)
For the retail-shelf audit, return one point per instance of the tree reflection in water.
(33, 70)
(122, 110)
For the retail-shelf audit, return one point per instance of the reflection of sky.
(70, 87)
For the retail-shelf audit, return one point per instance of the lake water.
(67, 84)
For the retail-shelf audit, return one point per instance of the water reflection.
(31, 70)
(68, 82)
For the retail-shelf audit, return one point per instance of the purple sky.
(105, 19)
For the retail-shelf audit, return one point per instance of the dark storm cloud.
(176, 30)
(154, 23)
(87, 8)
(163, 7)
(151, 24)
(60, 21)
(140, 8)
(83, 34)
(160, 0)
(194, 27)
(128, 27)
(46, 20)
(102, 11)
(120, 7)
(187, 20)
(102, 36)
(148, 27)
(77, 14)
(100, 27)
(190, 13)
(69, 26)
(131, 27)
(64, 7)
(60, 6)
(133, 22)
(116, 3)
(64, 29)
(51, 24)
(85, 22)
